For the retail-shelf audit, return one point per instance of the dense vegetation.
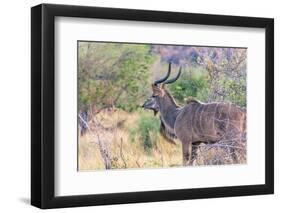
(113, 75)
(116, 77)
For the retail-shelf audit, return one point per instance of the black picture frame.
(43, 102)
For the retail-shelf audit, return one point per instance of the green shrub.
(235, 91)
(147, 128)
(195, 82)
(113, 74)
(190, 84)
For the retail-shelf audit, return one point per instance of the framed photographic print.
(140, 106)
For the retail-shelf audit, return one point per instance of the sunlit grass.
(125, 152)
(130, 153)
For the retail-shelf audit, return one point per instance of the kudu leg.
(195, 148)
(187, 153)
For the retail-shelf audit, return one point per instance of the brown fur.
(198, 122)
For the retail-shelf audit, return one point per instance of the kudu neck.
(169, 110)
(167, 101)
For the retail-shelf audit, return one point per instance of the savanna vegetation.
(114, 80)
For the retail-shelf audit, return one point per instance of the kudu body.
(195, 122)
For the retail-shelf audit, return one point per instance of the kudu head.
(159, 92)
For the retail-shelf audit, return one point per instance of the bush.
(190, 84)
(113, 74)
(195, 82)
(234, 91)
(147, 129)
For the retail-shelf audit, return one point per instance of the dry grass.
(217, 155)
(124, 152)
(114, 136)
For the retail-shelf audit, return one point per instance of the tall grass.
(133, 141)
(126, 139)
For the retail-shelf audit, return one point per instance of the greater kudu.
(195, 122)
